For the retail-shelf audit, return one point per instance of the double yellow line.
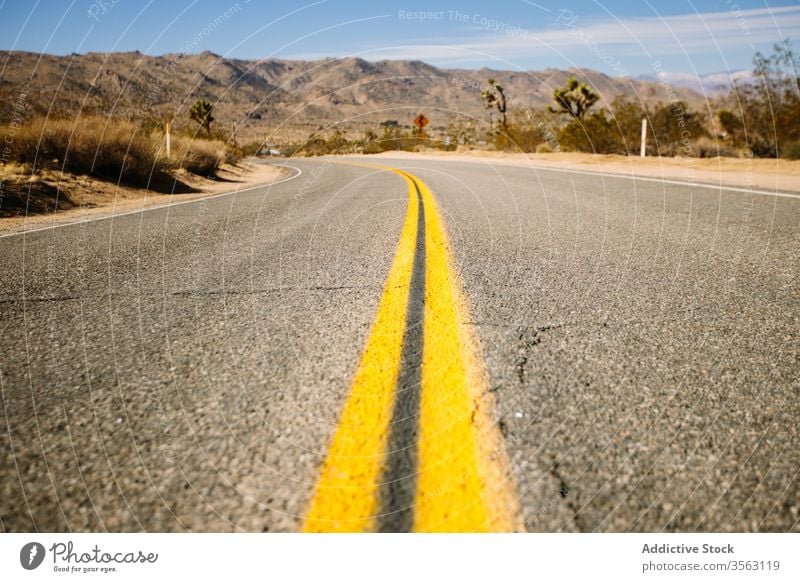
(462, 481)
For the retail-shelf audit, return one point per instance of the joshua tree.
(494, 97)
(574, 99)
(201, 113)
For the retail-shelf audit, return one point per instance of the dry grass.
(112, 149)
(199, 156)
(47, 164)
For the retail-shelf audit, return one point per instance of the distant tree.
(574, 99)
(200, 113)
(770, 104)
(494, 97)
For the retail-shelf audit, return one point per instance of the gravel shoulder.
(92, 198)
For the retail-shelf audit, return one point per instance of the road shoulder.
(96, 199)
(775, 175)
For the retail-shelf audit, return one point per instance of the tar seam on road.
(422, 395)
(398, 489)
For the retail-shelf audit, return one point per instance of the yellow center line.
(463, 483)
(346, 497)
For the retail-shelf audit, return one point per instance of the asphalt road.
(185, 368)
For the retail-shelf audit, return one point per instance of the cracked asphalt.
(184, 368)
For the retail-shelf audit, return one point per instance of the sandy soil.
(762, 174)
(89, 197)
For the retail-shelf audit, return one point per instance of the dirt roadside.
(758, 174)
(86, 197)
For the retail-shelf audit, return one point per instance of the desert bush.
(675, 128)
(319, 144)
(595, 133)
(199, 156)
(791, 151)
(617, 131)
(519, 138)
(526, 130)
(232, 155)
(115, 149)
(544, 148)
(445, 145)
(627, 116)
(395, 138)
(770, 107)
(732, 127)
(251, 148)
(706, 147)
(461, 133)
(373, 147)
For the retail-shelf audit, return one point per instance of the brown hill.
(262, 96)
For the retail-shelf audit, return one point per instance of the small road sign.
(420, 121)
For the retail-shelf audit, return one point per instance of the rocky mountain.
(265, 95)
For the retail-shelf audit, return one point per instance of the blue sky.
(613, 36)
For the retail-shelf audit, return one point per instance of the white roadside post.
(643, 149)
(167, 127)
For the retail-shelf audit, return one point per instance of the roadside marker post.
(167, 128)
(643, 150)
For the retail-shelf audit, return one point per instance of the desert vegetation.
(200, 113)
(42, 157)
(759, 117)
(121, 150)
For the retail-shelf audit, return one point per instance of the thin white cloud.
(656, 36)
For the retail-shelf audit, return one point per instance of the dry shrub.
(199, 156)
(114, 149)
(791, 151)
(524, 138)
(595, 134)
(705, 147)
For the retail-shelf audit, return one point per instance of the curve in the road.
(416, 447)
